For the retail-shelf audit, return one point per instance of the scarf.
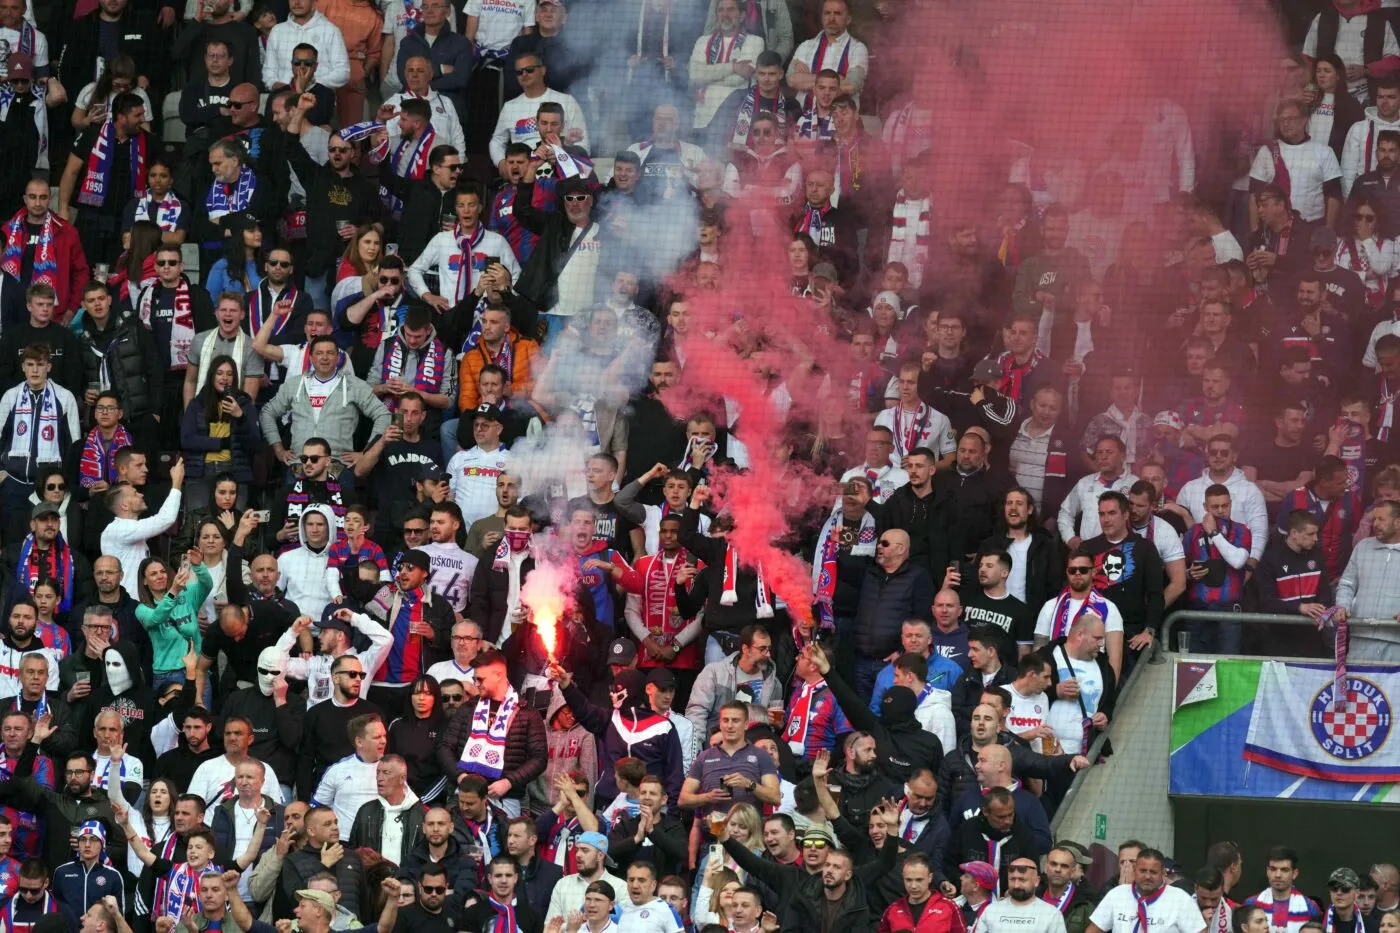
(1013, 374)
(749, 107)
(34, 437)
(1329, 920)
(906, 436)
(41, 706)
(1281, 176)
(994, 857)
(17, 238)
(482, 834)
(1359, 262)
(848, 165)
(505, 915)
(176, 891)
(1220, 920)
(824, 570)
(485, 751)
(206, 357)
(911, 227)
(1061, 621)
(1295, 909)
(1063, 901)
(56, 563)
(93, 192)
(813, 223)
(689, 448)
(98, 463)
(11, 925)
(166, 214)
(843, 65)
(427, 378)
(800, 717)
(262, 307)
(181, 325)
(812, 125)
(1142, 904)
(465, 262)
(418, 159)
(227, 199)
(717, 52)
(763, 608)
(656, 593)
(1387, 404)
(501, 559)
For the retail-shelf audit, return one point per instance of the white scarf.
(485, 751)
(207, 354)
(26, 421)
(1129, 425)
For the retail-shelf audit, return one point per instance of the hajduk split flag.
(1310, 722)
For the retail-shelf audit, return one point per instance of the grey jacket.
(716, 686)
(349, 400)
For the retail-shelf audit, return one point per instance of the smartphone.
(262, 515)
(83, 677)
(493, 261)
(717, 853)
(397, 420)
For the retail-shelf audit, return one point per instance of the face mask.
(118, 675)
(269, 659)
(518, 540)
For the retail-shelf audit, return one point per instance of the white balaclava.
(118, 674)
(269, 666)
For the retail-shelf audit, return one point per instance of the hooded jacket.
(717, 684)
(901, 744)
(630, 731)
(1359, 151)
(569, 750)
(304, 568)
(127, 353)
(350, 399)
(277, 730)
(368, 828)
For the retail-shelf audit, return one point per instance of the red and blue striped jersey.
(1337, 521)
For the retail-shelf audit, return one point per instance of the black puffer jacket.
(527, 748)
(130, 354)
(886, 600)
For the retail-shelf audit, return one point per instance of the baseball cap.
(1168, 419)
(320, 898)
(19, 65)
(492, 412)
(432, 473)
(621, 651)
(817, 832)
(1323, 238)
(416, 558)
(45, 508)
(92, 828)
(329, 621)
(986, 371)
(1344, 878)
(824, 270)
(982, 873)
(1081, 854)
(572, 185)
(596, 840)
(662, 678)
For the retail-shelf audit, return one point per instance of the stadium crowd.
(333, 334)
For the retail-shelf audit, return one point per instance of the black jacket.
(916, 516)
(136, 34)
(1055, 654)
(480, 915)
(886, 600)
(299, 866)
(424, 206)
(61, 813)
(902, 745)
(330, 200)
(967, 693)
(969, 844)
(526, 752)
(668, 844)
(956, 775)
(539, 279)
(368, 828)
(968, 508)
(799, 893)
(1045, 564)
(538, 880)
(489, 598)
(224, 822)
(130, 354)
(718, 617)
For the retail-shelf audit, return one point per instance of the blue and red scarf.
(98, 463)
(93, 192)
(1143, 903)
(54, 564)
(1061, 622)
(17, 238)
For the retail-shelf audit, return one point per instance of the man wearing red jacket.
(669, 636)
(39, 246)
(922, 909)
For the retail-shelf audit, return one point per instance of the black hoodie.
(902, 745)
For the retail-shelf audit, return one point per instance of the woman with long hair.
(240, 269)
(414, 736)
(94, 102)
(135, 268)
(168, 610)
(801, 257)
(47, 595)
(715, 896)
(222, 506)
(1334, 110)
(219, 431)
(212, 542)
(154, 821)
(361, 257)
(1364, 251)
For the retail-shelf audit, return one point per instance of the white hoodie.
(303, 569)
(391, 840)
(1246, 505)
(1358, 157)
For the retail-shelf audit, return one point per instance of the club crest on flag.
(1356, 725)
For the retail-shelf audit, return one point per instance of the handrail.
(1158, 652)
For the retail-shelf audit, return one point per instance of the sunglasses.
(433, 888)
(340, 148)
(358, 675)
(1219, 452)
(31, 892)
(304, 62)
(415, 531)
(453, 697)
(527, 70)
(814, 843)
(236, 104)
(311, 458)
(55, 487)
(386, 280)
(280, 263)
(1075, 571)
(576, 198)
(454, 167)
(167, 262)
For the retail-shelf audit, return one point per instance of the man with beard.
(1064, 892)
(1319, 325)
(1278, 247)
(561, 275)
(1021, 910)
(1147, 903)
(654, 835)
(1036, 554)
(180, 763)
(62, 811)
(324, 728)
(1128, 572)
(832, 899)
(22, 640)
(967, 499)
(1381, 185)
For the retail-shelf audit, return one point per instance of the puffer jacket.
(526, 753)
(128, 354)
(886, 600)
(244, 440)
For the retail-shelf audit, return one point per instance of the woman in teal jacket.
(169, 613)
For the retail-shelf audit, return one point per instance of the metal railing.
(1159, 652)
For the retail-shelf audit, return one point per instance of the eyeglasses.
(576, 198)
(415, 531)
(355, 674)
(386, 280)
(106, 409)
(433, 888)
(527, 70)
(167, 262)
(304, 62)
(280, 263)
(236, 104)
(814, 843)
(466, 638)
(77, 771)
(311, 458)
(55, 487)
(1076, 571)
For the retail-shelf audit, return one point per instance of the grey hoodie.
(350, 398)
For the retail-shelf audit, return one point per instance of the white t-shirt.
(10, 40)
(132, 771)
(655, 916)
(213, 781)
(84, 99)
(450, 670)
(1310, 164)
(500, 21)
(1020, 554)
(927, 427)
(1174, 912)
(450, 573)
(1166, 539)
(1032, 916)
(1226, 247)
(1045, 622)
(473, 476)
(886, 481)
(1026, 712)
(1065, 717)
